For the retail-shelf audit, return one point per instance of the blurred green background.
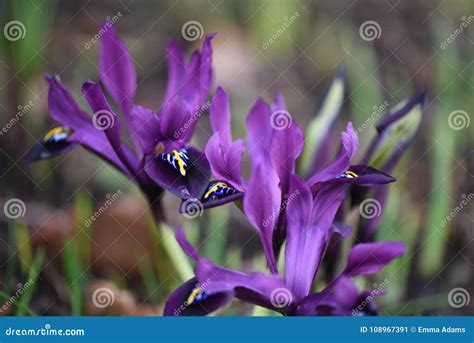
(59, 262)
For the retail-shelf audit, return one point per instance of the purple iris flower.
(161, 157)
(309, 209)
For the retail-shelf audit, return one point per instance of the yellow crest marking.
(55, 131)
(180, 162)
(193, 295)
(214, 188)
(351, 173)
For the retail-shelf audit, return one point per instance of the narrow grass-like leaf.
(33, 275)
(178, 258)
(72, 271)
(23, 244)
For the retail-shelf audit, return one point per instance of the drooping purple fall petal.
(190, 300)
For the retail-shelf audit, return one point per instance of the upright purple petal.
(309, 229)
(205, 72)
(225, 162)
(64, 109)
(286, 145)
(224, 156)
(116, 68)
(147, 126)
(175, 118)
(298, 213)
(117, 73)
(106, 120)
(192, 81)
(220, 116)
(350, 144)
(103, 116)
(176, 68)
(259, 132)
(262, 207)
